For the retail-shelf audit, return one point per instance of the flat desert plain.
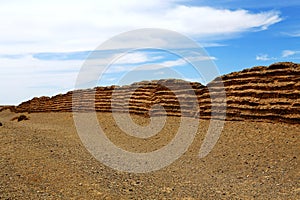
(43, 158)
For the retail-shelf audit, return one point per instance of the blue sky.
(43, 44)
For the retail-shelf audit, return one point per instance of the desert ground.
(43, 158)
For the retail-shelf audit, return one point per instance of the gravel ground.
(43, 158)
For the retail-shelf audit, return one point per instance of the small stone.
(99, 193)
(22, 117)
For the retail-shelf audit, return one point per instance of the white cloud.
(264, 57)
(173, 63)
(293, 34)
(136, 57)
(284, 54)
(62, 26)
(201, 58)
(288, 53)
(160, 73)
(207, 20)
(154, 65)
(120, 67)
(26, 77)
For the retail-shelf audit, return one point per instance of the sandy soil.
(43, 158)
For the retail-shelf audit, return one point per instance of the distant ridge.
(259, 93)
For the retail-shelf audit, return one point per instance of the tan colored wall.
(260, 93)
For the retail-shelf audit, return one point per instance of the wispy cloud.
(288, 53)
(264, 57)
(293, 34)
(285, 54)
(136, 58)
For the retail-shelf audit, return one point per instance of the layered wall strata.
(260, 93)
